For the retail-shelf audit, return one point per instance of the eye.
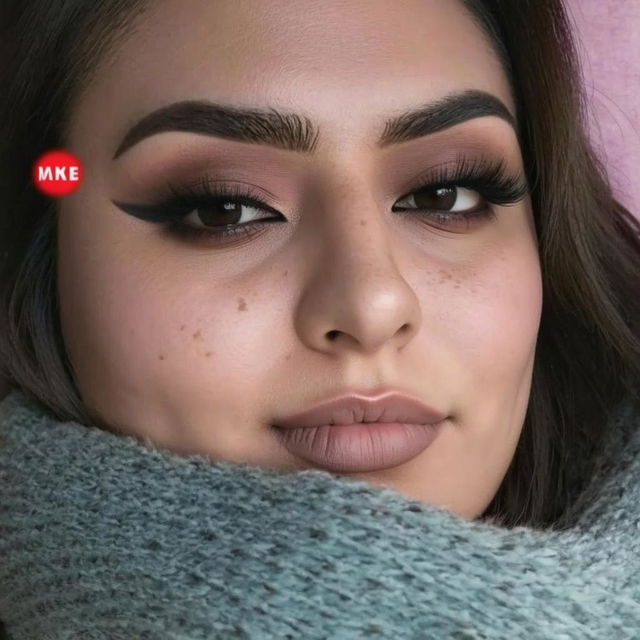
(211, 212)
(452, 199)
(222, 212)
(462, 194)
(452, 208)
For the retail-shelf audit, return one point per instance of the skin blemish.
(160, 357)
(242, 305)
(286, 271)
(182, 328)
(445, 275)
(208, 354)
(197, 335)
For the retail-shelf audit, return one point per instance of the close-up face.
(354, 272)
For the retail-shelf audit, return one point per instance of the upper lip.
(361, 407)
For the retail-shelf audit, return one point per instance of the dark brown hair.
(588, 348)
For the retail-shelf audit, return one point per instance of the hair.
(587, 357)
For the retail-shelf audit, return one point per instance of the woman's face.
(358, 279)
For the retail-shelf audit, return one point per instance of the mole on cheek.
(242, 305)
(160, 357)
(197, 335)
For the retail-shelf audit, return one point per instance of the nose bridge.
(354, 285)
(353, 226)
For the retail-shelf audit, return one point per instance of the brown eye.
(223, 212)
(443, 198)
(454, 199)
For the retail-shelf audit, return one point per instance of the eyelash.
(485, 176)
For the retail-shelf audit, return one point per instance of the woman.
(396, 208)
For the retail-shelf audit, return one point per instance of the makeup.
(361, 432)
(359, 447)
(434, 197)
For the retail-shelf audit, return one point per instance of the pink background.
(608, 34)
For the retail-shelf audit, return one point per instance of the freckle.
(363, 223)
(286, 271)
(160, 357)
(242, 305)
(457, 286)
(288, 356)
(197, 335)
(208, 354)
(445, 275)
(182, 328)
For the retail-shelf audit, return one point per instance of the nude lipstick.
(358, 433)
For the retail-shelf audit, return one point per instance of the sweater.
(105, 536)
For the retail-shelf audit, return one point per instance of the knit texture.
(104, 536)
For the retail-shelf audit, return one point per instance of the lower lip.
(359, 447)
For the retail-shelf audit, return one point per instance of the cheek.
(132, 333)
(494, 319)
(116, 323)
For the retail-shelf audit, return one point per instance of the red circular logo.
(57, 173)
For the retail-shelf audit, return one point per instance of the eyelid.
(200, 188)
(487, 175)
(462, 163)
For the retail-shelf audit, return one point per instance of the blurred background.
(608, 35)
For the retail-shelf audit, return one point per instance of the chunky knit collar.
(103, 537)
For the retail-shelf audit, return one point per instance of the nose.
(355, 297)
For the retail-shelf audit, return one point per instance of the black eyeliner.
(149, 213)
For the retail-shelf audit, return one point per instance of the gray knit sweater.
(103, 537)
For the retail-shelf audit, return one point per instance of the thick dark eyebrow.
(295, 132)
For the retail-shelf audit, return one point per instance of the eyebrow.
(295, 132)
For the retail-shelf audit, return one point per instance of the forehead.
(345, 64)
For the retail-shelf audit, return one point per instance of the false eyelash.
(205, 188)
(485, 175)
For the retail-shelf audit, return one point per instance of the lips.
(355, 408)
(361, 433)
